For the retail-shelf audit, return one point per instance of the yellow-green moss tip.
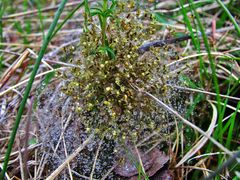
(103, 86)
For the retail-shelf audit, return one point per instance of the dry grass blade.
(70, 158)
(202, 169)
(179, 8)
(228, 72)
(185, 121)
(226, 164)
(140, 160)
(227, 105)
(21, 164)
(7, 74)
(32, 12)
(62, 133)
(203, 91)
(205, 155)
(22, 150)
(26, 45)
(66, 154)
(40, 168)
(195, 55)
(203, 140)
(95, 160)
(26, 139)
(26, 80)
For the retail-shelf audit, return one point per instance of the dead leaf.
(152, 162)
(128, 168)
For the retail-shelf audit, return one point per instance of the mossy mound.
(105, 84)
(102, 93)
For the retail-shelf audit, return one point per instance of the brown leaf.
(164, 175)
(160, 159)
(152, 162)
(129, 169)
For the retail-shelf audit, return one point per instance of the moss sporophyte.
(109, 65)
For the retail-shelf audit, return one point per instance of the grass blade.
(40, 18)
(29, 86)
(203, 140)
(3, 5)
(185, 121)
(195, 40)
(212, 64)
(65, 20)
(231, 128)
(230, 16)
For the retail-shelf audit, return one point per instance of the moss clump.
(103, 85)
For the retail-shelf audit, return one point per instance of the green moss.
(103, 86)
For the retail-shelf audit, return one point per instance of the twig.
(161, 43)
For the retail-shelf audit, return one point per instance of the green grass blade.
(195, 40)
(67, 18)
(230, 16)
(223, 17)
(29, 86)
(2, 9)
(223, 110)
(87, 14)
(212, 64)
(189, 26)
(41, 18)
(230, 125)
